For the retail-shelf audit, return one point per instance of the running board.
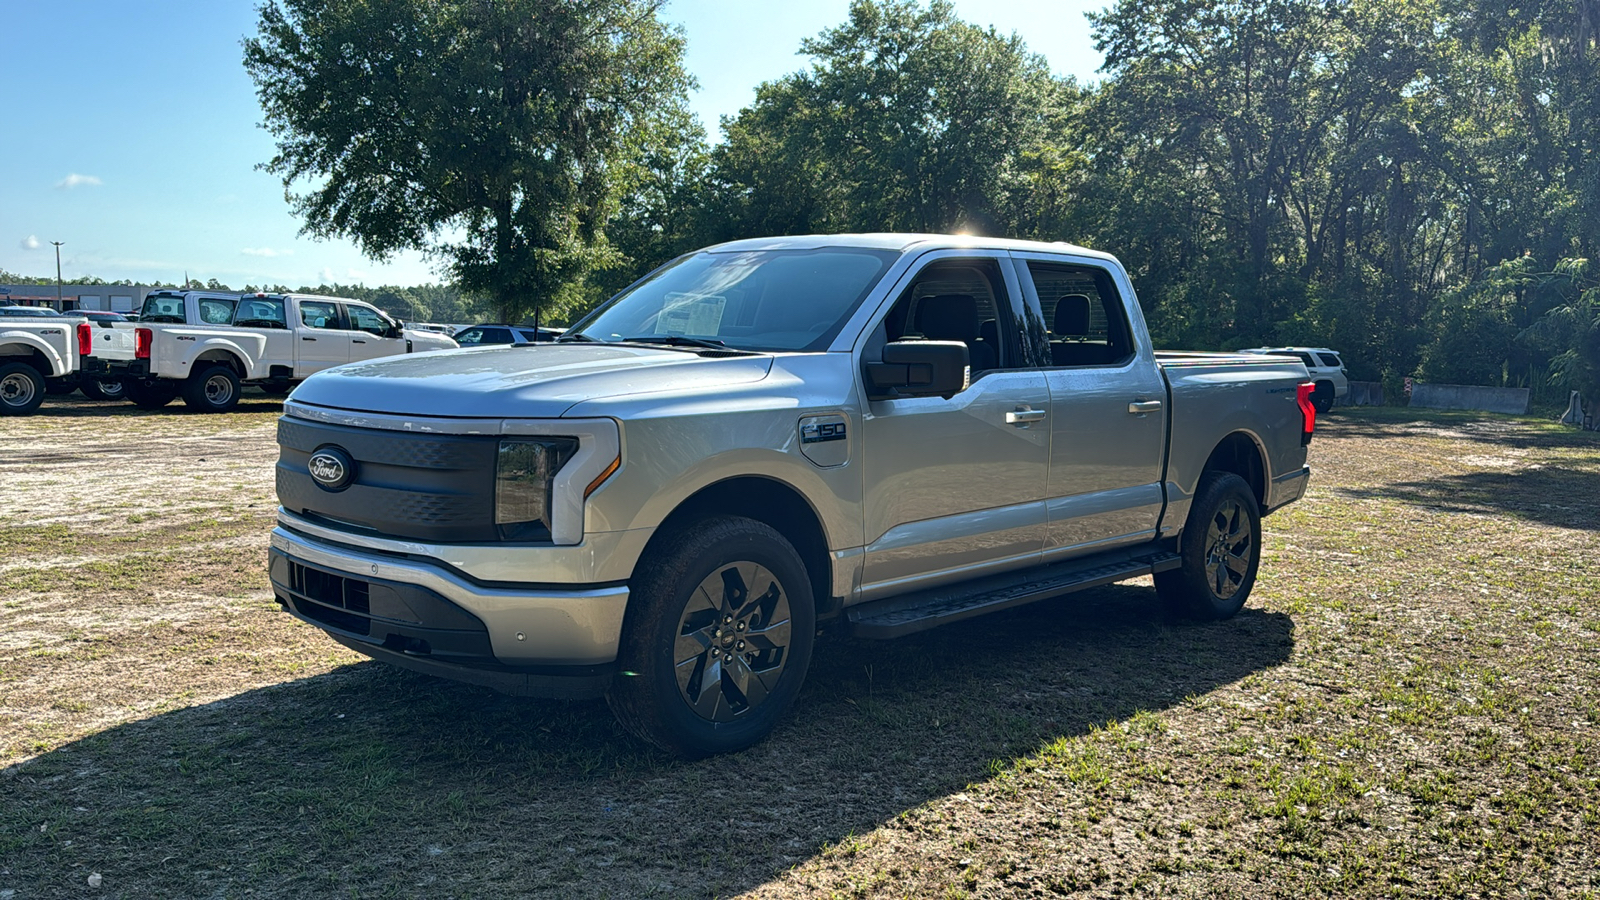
(922, 610)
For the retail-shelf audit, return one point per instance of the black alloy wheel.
(721, 621)
(1220, 550)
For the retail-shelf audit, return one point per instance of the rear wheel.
(1220, 550)
(103, 389)
(150, 394)
(21, 389)
(1322, 396)
(276, 388)
(718, 639)
(214, 389)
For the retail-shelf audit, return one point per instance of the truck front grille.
(428, 487)
(339, 602)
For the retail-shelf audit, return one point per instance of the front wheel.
(214, 389)
(717, 640)
(21, 389)
(1220, 549)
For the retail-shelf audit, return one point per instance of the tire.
(686, 678)
(22, 389)
(103, 389)
(214, 389)
(150, 394)
(60, 387)
(276, 388)
(1220, 550)
(1322, 397)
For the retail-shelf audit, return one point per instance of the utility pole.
(58, 273)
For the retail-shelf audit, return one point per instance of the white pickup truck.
(204, 345)
(42, 351)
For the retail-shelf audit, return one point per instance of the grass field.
(1410, 706)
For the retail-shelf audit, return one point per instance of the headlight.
(525, 470)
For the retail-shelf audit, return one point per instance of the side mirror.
(398, 329)
(920, 369)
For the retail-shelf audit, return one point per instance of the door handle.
(307, 339)
(1140, 407)
(357, 342)
(1024, 416)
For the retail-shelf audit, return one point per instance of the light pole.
(58, 273)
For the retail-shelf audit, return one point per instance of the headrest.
(989, 332)
(948, 317)
(1072, 316)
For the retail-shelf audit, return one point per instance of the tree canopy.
(495, 135)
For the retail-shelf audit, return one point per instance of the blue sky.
(129, 130)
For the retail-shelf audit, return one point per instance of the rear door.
(1108, 416)
(322, 340)
(955, 487)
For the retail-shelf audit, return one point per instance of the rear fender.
(24, 344)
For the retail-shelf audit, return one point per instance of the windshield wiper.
(675, 340)
(574, 337)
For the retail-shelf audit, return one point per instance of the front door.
(955, 487)
(368, 334)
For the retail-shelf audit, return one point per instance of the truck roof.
(902, 242)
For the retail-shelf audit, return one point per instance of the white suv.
(1326, 368)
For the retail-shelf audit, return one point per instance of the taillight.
(85, 338)
(144, 337)
(1308, 413)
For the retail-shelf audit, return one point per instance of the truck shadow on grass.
(371, 781)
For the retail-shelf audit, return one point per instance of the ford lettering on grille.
(331, 468)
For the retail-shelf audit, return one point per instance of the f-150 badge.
(825, 440)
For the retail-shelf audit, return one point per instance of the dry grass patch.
(1408, 708)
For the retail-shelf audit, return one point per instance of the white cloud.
(31, 242)
(327, 275)
(267, 252)
(75, 180)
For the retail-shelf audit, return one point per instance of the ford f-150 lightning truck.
(888, 432)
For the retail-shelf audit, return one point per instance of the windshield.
(769, 300)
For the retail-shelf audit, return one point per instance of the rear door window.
(317, 314)
(1083, 314)
(1329, 359)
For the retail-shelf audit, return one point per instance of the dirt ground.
(1408, 707)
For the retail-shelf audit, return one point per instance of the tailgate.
(112, 341)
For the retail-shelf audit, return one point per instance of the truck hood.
(530, 381)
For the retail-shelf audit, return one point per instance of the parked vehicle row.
(42, 351)
(204, 346)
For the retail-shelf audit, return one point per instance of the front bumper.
(525, 639)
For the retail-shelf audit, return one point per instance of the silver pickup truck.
(886, 432)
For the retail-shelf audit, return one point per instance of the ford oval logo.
(332, 468)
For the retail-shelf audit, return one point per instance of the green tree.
(494, 134)
(909, 119)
